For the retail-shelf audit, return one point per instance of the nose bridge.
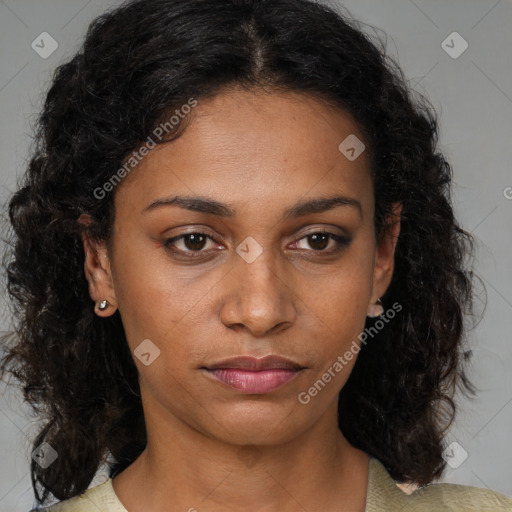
(259, 297)
(260, 274)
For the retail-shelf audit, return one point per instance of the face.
(282, 260)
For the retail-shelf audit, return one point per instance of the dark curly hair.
(141, 61)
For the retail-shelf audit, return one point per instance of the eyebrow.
(213, 207)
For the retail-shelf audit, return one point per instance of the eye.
(192, 243)
(319, 241)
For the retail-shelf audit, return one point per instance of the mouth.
(248, 374)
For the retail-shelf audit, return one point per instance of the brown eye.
(191, 242)
(194, 241)
(319, 242)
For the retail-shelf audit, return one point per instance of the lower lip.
(246, 381)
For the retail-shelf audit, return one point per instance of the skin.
(211, 447)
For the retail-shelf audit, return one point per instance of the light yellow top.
(383, 495)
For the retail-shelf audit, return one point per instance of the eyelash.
(342, 242)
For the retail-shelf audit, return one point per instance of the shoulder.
(101, 498)
(452, 498)
(385, 496)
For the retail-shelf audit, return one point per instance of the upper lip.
(256, 364)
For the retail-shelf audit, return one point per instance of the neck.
(188, 470)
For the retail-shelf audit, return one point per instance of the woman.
(239, 277)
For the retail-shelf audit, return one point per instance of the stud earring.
(375, 310)
(102, 305)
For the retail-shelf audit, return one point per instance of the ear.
(385, 254)
(97, 270)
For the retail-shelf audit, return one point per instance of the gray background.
(473, 96)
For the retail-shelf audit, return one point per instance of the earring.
(375, 310)
(102, 305)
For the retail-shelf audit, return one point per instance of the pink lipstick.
(248, 374)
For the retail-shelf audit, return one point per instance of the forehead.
(256, 146)
(240, 123)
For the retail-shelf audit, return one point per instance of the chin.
(256, 427)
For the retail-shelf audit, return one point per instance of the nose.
(258, 296)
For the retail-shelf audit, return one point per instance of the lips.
(247, 374)
(249, 363)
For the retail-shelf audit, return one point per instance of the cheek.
(151, 293)
(161, 303)
(340, 296)
(340, 306)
